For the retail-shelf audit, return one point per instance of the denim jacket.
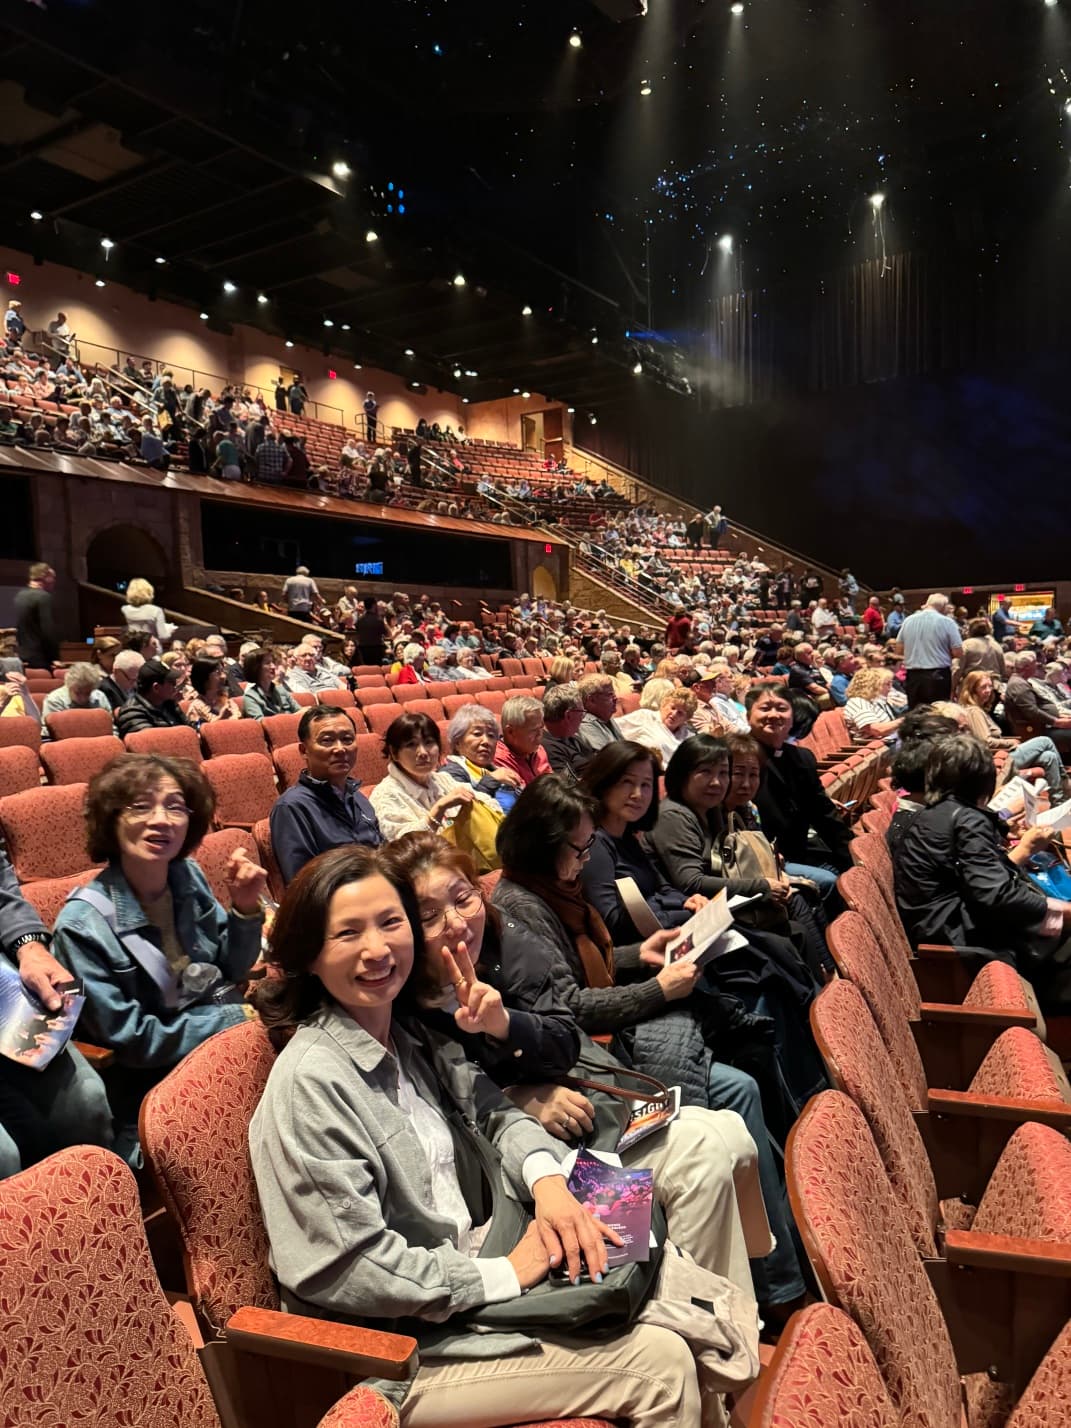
(124, 1009)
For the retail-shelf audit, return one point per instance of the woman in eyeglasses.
(158, 957)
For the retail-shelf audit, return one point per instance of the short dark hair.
(201, 671)
(112, 790)
(533, 832)
(923, 722)
(701, 751)
(406, 729)
(253, 663)
(760, 691)
(138, 641)
(297, 935)
(154, 671)
(743, 746)
(960, 767)
(608, 767)
(318, 714)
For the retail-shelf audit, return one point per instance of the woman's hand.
(1032, 841)
(779, 891)
(567, 1229)
(246, 882)
(653, 948)
(529, 1258)
(696, 902)
(506, 776)
(561, 1111)
(678, 980)
(457, 796)
(479, 1010)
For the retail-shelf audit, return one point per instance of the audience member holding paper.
(977, 694)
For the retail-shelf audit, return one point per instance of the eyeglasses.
(582, 849)
(467, 906)
(174, 810)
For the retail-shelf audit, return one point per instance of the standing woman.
(371, 1191)
(158, 956)
(140, 613)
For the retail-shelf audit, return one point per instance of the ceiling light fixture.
(341, 169)
(637, 371)
(288, 343)
(593, 419)
(465, 401)
(737, 8)
(356, 366)
(262, 298)
(595, 340)
(161, 261)
(345, 327)
(203, 316)
(371, 236)
(571, 410)
(457, 371)
(100, 283)
(526, 395)
(526, 311)
(409, 352)
(229, 287)
(725, 242)
(575, 41)
(877, 200)
(459, 280)
(328, 322)
(645, 88)
(36, 215)
(107, 244)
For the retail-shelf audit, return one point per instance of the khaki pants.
(645, 1378)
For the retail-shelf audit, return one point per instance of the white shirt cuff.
(538, 1164)
(500, 1280)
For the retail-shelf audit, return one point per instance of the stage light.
(328, 322)
(345, 327)
(457, 371)
(1051, 4)
(575, 41)
(637, 371)
(645, 88)
(736, 9)
(409, 352)
(107, 244)
(36, 215)
(203, 316)
(262, 298)
(465, 401)
(526, 395)
(288, 343)
(341, 169)
(571, 410)
(161, 261)
(371, 236)
(459, 280)
(526, 311)
(725, 242)
(100, 283)
(593, 419)
(229, 287)
(356, 366)
(877, 200)
(595, 339)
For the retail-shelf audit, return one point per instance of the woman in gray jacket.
(367, 1148)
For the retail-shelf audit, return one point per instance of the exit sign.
(1019, 588)
(13, 279)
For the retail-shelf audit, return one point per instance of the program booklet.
(622, 1199)
(29, 1034)
(648, 1117)
(710, 933)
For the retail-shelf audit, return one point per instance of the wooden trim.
(321, 1342)
(1000, 1108)
(995, 1017)
(1013, 1253)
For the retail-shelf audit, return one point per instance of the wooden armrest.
(325, 1343)
(98, 1056)
(999, 1108)
(1008, 1252)
(996, 1017)
(938, 950)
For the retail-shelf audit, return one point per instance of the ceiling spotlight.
(593, 419)
(645, 88)
(459, 280)
(737, 8)
(409, 352)
(471, 372)
(341, 169)
(100, 283)
(414, 385)
(36, 215)
(107, 244)
(288, 343)
(345, 327)
(637, 370)
(229, 287)
(203, 316)
(516, 391)
(571, 410)
(328, 322)
(877, 200)
(161, 261)
(356, 366)
(1051, 4)
(457, 371)
(526, 395)
(526, 311)
(262, 298)
(725, 242)
(575, 41)
(465, 401)
(371, 236)
(595, 339)
(1067, 111)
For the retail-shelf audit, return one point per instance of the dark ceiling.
(205, 134)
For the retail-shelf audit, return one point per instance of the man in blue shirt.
(929, 641)
(844, 666)
(1003, 624)
(325, 808)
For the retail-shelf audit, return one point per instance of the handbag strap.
(637, 907)
(655, 1090)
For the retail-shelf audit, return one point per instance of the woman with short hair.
(210, 702)
(472, 737)
(411, 667)
(264, 695)
(140, 613)
(158, 957)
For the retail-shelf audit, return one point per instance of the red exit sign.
(13, 279)
(1018, 588)
(968, 589)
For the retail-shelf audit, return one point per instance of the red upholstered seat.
(19, 768)
(80, 723)
(214, 853)
(378, 694)
(453, 702)
(337, 698)
(20, 729)
(47, 895)
(381, 716)
(289, 764)
(233, 736)
(1029, 1192)
(244, 785)
(77, 760)
(439, 688)
(371, 764)
(91, 1337)
(280, 730)
(180, 742)
(493, 699)
(870, 851)
(266, 854)
(403, 693)
(44, 830)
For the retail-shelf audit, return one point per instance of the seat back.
(214, 853)
(289, 764)
(877, 821)
(20, 729)
(510, 666)
(859, 1065)
(89, 1331)
(280, 730)
(870, 851)
(858, 957)
(380, 717)
(19, 768)
(244, 785)
(176, 742)
(880, 940)
(44, 830)
(79, 723)
(862, 893)
(534, 667)
(377, 694)
(453, 702)
(439, 688)
(193, 1128)
(371, 763)
(1048, 1393)
(823, 1375)
(47, 895)
(493, 699)
(865, 1259)
(337, 698)
(77, 760)
(1029, 1192)
(266, 854)
(431, 707)
(304, 697)
(233, 736)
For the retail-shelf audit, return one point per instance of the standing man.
(371, 632)
(1003, 624)
(929, 641)
(299, 591)
(873, 619)
(35, 625)
(371, 411)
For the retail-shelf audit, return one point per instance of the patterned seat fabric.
(289, 764)
(233, 736)
(19, 769)
(44, 830)
(823, 1376)
(180, 742)
(78, 760)
(47, 895)
(998, 985)
(80, 723)
(280, 730)
(870, 851)
(20, 729)
(214, 853)
(1018, 1065)
(244, 785)
(1045, 1399)
(1029, 1192)
(867, 1261)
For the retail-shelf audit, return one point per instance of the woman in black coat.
(957, 884)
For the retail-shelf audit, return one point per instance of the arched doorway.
(117, 554)
(544, 586)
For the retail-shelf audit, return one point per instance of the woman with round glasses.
(158, 957)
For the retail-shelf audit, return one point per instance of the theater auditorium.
(535, 714)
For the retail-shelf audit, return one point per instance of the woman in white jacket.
(141, 614)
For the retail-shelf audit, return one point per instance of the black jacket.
(137, 714)
(791, 800)
(685, 846)
(955, 884)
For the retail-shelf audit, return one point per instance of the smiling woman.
(157, 955)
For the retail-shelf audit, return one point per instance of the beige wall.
(118, 321)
